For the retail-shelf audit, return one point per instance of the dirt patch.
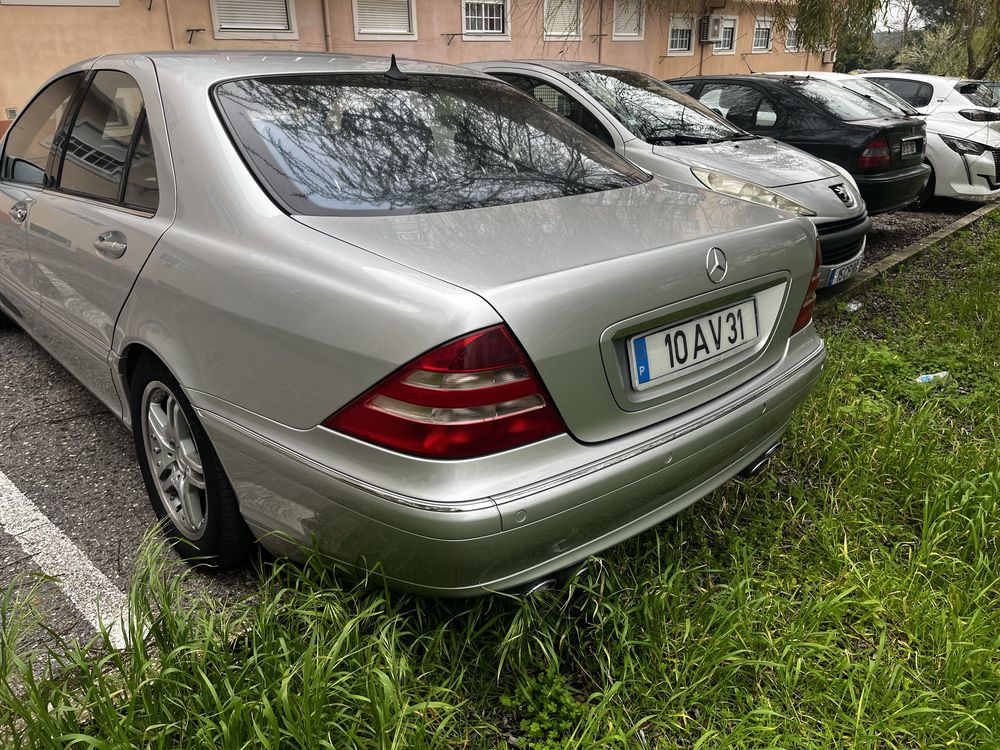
(893, 231)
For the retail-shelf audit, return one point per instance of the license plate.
(667, 353)
(844, 272)
(911, 147)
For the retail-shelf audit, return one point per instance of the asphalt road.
(67, 454)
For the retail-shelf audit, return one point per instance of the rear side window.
(33, 136)
(980, 94)
(141, 187)
(562, 103)
(744, 106)
(98, 146)
(682, 86)
(364, 144)
(915, 93)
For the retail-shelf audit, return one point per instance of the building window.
(792, 37)
(485, 18)
(679, 41)
(762, 35)
(384, 19)
(726, 45)
(261, 19)
(562, 19)
(628, 19)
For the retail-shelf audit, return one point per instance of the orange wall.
(36, 41)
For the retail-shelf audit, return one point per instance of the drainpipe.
(600, 28)
(170, 24)
(326, 25)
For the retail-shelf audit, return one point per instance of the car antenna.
(394, 72)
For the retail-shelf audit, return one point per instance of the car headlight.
(963, 146)
(737, 187)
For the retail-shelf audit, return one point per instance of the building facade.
(666, 38)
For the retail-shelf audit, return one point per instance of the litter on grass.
(928, 377)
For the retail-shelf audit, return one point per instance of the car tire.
(927, 194)
(187, 486)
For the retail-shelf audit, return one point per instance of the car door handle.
(19, 212)
(111, 244)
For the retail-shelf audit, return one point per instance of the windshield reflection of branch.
(650, 113)
(448, 145)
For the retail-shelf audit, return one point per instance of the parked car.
(963, 130)
(672, 135)
(408, 315)
(884, 154)
(861, 86)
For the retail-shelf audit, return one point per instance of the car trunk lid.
(905, 138)
(577, 278)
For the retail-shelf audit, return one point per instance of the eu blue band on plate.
(641, 362)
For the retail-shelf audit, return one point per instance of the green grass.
(848, 598)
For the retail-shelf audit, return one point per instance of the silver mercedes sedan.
(403, 314)
(675, 136)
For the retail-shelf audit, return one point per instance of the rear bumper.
(508, 539)
(889, 191)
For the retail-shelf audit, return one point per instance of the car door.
(90, 233)
(24, 170)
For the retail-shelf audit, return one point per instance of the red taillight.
(476, 395)
(876, 155)
(809, 303)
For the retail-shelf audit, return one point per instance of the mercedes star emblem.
(716, 264)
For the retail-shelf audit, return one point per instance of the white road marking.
(98, 599)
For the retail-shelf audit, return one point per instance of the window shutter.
(253, 15)
(562, 17)
(384, 17)
(628, 17)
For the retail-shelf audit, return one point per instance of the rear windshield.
(839, 102)
(335, 144)
(651, 109)
(982, 94)
(882, 96)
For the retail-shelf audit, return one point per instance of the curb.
(867, 276)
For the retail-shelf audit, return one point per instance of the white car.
(963, 130)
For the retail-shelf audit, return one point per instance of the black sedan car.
(883, 151)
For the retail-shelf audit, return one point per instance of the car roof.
(219, 65)
(925, 77)
(559, 66)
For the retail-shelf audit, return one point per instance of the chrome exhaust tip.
(760, 463)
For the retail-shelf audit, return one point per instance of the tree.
(974, 27)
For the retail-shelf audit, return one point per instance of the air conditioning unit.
(710, 29)
(10, 113)
(829, 56)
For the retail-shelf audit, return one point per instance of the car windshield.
(872, 90)
(840, 102)
(980, 93)
(333, 144)
(652, 110)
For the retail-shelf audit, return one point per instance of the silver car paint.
(791, 171)
(271, 325)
